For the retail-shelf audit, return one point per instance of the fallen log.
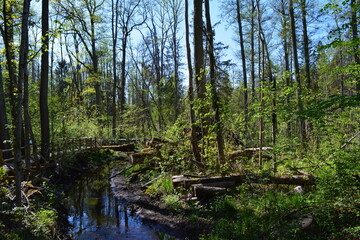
(137, 158)
(121, 148)
(186, 182)
(202, 191)
(247, 153)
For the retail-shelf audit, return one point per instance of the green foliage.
(37, 224)
(3, 175)
(322, 109)
(174, 202)
(42, 223)
(176, 154)
(257, 214)
(161, 187)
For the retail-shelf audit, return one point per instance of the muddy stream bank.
(102, 206)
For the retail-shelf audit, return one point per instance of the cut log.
(202, 191)
(186, 182)
(137, 158)
(121, 148)
(247, 153)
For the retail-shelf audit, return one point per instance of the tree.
(354, 6)
(193, 138)
(114, 32)
(16, 80)
(252, 48)
(4, 132)
(200, 80)
(297, 71)
(284, 35)
(84, 18)
(128, 22)
(243, 59)
(44, 82)
(214, 94)
(199, 67)
(305, 43)
(174, 11)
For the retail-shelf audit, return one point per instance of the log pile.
(203, 187)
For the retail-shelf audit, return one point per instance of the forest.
(239, 117)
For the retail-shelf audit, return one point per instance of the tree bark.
(114, 22)
(199, 68)
(215, 97)
(297, 71)
(4, 132)
(16, 83)
(285, 42)
(243, 59)
(200, 81)
(44, 109)
(252, 49)
(355, 5)
(306, 43)
(194, 140)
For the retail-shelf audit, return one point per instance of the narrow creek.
(95, 213)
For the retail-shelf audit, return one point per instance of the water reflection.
(96, 214)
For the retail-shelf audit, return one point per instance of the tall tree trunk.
(252, 49)
(4, 132)
(242, 50)
(95, 61)
(297, 71)
(355, 5)
(175, 54)
(27, 121)
(24, 78)
(272, 83)
(215, 97)
(199, 49)
(44, 109)
(285, 32)
(261, 50)
(123, 74)
(16, 83)
(194, 140)
(114, 22)
(306, 43)
(199, 63)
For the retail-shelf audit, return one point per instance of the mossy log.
(137, 158)
(234, 180)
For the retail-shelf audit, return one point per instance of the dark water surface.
(96, 214)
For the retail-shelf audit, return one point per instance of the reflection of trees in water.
(89, 196)
(96, 212)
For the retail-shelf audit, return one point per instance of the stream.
(95, 213)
